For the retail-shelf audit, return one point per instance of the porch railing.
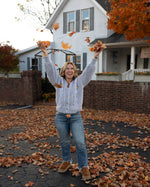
(129, 75)
(141, 70)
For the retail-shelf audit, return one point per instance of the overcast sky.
(20, 34)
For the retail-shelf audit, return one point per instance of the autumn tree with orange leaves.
(130, 17)
(8, 59)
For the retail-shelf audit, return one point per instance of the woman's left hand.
(99, 51)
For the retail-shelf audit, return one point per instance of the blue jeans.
(74, 124)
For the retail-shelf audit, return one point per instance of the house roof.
(56, 13)
(30, 49)
(103, 3)
(111, 39)
(119, 40)
(27, 50)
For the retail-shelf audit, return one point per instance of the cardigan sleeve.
(50, 69)
(87, 73)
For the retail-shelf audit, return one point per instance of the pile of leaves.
(109, 164)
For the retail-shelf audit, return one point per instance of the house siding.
(79, 45)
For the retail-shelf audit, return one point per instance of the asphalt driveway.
(30, 151)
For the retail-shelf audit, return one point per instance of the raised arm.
(50, 68)
(87, 73)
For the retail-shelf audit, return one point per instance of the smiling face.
(69, 72)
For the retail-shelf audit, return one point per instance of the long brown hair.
(63, 69)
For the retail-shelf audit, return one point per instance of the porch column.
(100, 63)
(104, 60)
(132, 64)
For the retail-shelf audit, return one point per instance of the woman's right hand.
(43, 48)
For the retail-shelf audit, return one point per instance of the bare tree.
(38, 10)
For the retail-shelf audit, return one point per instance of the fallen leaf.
(29, 184)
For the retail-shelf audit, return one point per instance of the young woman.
(69, 98)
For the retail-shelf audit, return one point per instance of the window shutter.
(74, 59)
(84, 60)
(92, 19)
(40, 64)
(64, 22)
(28, 63)
(78, 21)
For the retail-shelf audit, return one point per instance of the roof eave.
(27, 50)
(128, 44)
(55, 13)
(100, 7)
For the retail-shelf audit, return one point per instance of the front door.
(129, 60)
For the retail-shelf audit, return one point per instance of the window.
(86, 19)
(78, 20)
(35, 64)
(145, 65)
(78, 62)
(71, 58)
(71, 21)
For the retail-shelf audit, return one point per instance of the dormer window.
(71, 21)
(86, 19)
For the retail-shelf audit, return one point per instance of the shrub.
(108, 73)
(143, 73)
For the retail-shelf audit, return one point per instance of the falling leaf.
(65, 45)
(97, 47)
(55, 26)
(58, 85)
(73, 32)
(44, 43)
(87, 39)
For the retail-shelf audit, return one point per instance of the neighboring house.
(88, 19)
(27, 60)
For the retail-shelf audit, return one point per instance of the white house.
(88, 19)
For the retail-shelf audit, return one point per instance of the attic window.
(71, 21)
(86, 19)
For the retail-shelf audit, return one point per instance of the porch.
(128, 60)
(136, 75)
